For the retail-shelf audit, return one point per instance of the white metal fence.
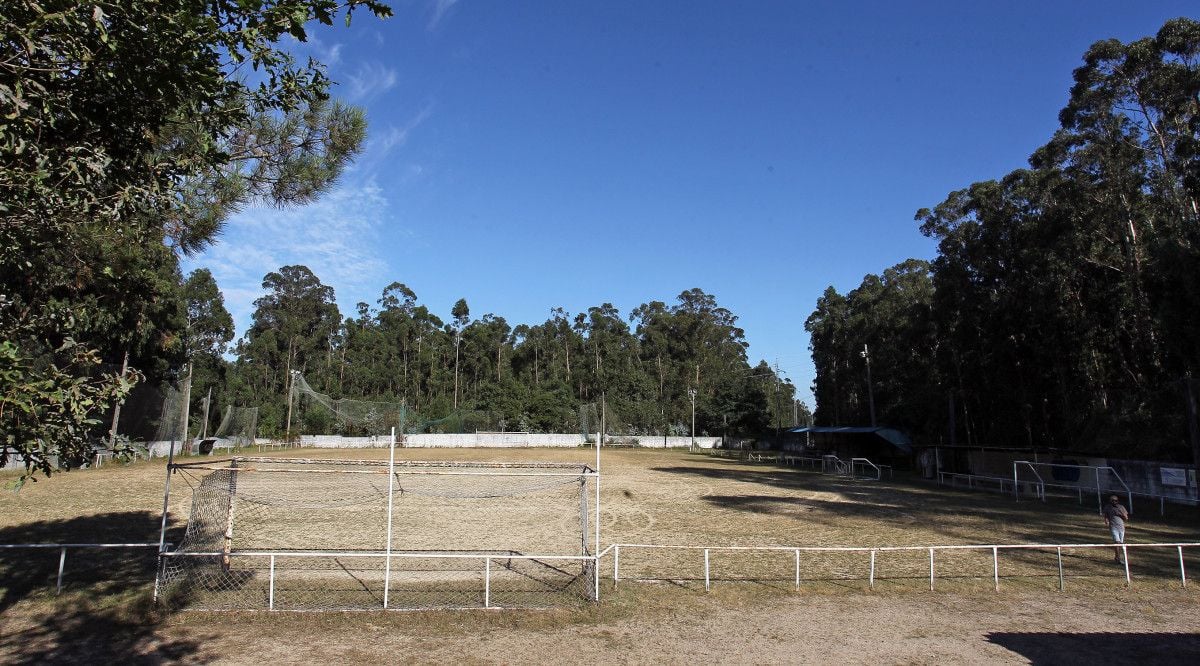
(62, 549)
(664, 563)
(378, 580)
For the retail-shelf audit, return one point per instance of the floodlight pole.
(866, 354)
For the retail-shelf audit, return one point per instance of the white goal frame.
(582, 471)
(1040, 484)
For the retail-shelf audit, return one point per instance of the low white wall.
(480, 440)
(485, 440)
(660, 442)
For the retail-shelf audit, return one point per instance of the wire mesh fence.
(325, 535)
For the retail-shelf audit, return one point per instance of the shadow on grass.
(1101, 647)
(104, 614)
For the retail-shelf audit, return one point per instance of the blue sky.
(530, 155)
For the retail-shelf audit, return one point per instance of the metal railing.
(874, 552)
(62, 552)
(1004, 486)
(975, 481)
(492, 563)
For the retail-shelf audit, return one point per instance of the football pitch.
(750, 582)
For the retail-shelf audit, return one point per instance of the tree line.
(526, 377)
(1063, 304)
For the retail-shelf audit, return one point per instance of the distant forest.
(1063, 306)
(497, 376)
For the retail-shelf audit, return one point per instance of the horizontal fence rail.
(64, 547)
(874, 554)
(540, 582)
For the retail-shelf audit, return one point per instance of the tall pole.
(291, 391)
(457, 340)
(185, 444)
(596, 553)
(1193, 427)
(387, 566)
(692, 393)
(204, 426)
(866, 354)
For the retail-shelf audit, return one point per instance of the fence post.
(616, 565)
(487, 582)
(1060, 570)
(271, 590)
(1182, 571)
(62, 561)
(871, 580)
(798, 567)
(706, 581)
(931, 570)
(996, 567)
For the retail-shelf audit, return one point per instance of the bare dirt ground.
(649, 497)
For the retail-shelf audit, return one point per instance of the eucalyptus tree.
(206, 336)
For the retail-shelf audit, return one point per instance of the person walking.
(1115, 517)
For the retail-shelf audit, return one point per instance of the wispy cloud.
(368, 81)
(439, 10)
(337, 238)
(381, 145)
(395, 137)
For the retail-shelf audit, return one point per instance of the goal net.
(300, 534)
(238, 426)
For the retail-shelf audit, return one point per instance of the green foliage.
(128, 131)
(527, 377)
(1063, 304)
(46, 413)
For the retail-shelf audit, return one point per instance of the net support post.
(1182, 571)
(271, 589)
(387, 559)
(1125, 558)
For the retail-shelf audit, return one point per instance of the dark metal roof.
(896, 438)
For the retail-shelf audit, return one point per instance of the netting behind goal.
(238, 426)
(313, 535)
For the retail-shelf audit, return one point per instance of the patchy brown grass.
(648, 497)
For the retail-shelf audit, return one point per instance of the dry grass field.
(753, 613)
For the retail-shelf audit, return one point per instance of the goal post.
(1069, 479)
(324, 534)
